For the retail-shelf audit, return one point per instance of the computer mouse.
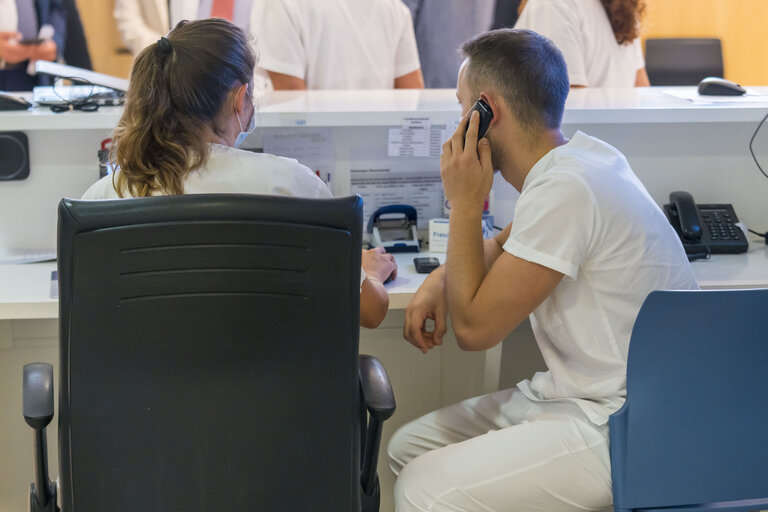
(8, 102)
(714, 86)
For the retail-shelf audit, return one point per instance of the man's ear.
(490, 99)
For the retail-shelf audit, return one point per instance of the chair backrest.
(694, 428)
(209, 350)
(680, 61)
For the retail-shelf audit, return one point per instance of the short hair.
(527, 70)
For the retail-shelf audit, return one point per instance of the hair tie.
(164, 45)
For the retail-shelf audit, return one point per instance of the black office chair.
(209, 358)
(680, 61)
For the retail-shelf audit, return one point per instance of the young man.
(586, 246)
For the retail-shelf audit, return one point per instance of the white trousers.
(502, 452)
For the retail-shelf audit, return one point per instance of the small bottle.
(103, 154)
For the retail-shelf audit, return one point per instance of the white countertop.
(25, 289)
(390, 107)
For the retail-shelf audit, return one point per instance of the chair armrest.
(37, 395)
(377, 390)
(380, 403)
(37, 406)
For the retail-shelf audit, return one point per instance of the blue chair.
(693, 433)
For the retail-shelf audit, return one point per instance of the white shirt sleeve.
(638, 54)
(134, 29)
(555, 21)
(554, 223)
(9, 20)
(279, 35)
(407, 54)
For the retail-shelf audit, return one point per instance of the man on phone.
(30, 30)
(586, 246)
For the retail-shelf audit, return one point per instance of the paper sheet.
(21, 256)
(382, 187)
(695, 97)
(313, 148)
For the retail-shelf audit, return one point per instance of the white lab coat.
(143, 22)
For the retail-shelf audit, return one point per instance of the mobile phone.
(425, 265)
(35, 40)
(486, 115)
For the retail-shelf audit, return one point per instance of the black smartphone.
(426, 265)
(486, 115)
(35, 40)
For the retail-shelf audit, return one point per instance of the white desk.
(25, 290)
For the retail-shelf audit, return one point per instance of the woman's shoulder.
(102, 189)
(237, 156)
(269, 173)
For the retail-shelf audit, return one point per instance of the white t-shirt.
(584, 213)
(582, 31)
(337, 44)
(231, 170)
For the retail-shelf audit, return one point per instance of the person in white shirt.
(188, 108)
(337, 44)
(585, 248)
(142, 22)
(600, 39)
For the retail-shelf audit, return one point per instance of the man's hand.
(10, 49)
(428, 303)
(466, 169)
(379, 264)
(47, 50)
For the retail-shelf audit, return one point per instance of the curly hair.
(178, 88)
(624, 16)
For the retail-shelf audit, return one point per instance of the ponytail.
(178, 88)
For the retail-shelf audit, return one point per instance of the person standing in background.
(76, 48)
(337, 44)
(441, 27)
(600, 39)
(20, 24)
(506, 13)
(143, 22)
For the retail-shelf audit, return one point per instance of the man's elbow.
(470, 337)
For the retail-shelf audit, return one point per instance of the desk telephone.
(705, 228)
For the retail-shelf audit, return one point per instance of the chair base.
(35, 506)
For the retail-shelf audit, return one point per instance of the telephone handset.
(705, 228)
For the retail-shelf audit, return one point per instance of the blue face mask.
(245, 133)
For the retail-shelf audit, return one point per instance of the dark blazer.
(75, 48)
(52, 12)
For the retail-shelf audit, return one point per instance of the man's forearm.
(466, 262)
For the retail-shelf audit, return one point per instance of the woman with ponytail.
(600, 39)
(189, 106)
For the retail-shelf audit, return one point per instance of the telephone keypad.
(720, 230)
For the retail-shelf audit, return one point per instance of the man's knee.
(397, 452)
(415, 486)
